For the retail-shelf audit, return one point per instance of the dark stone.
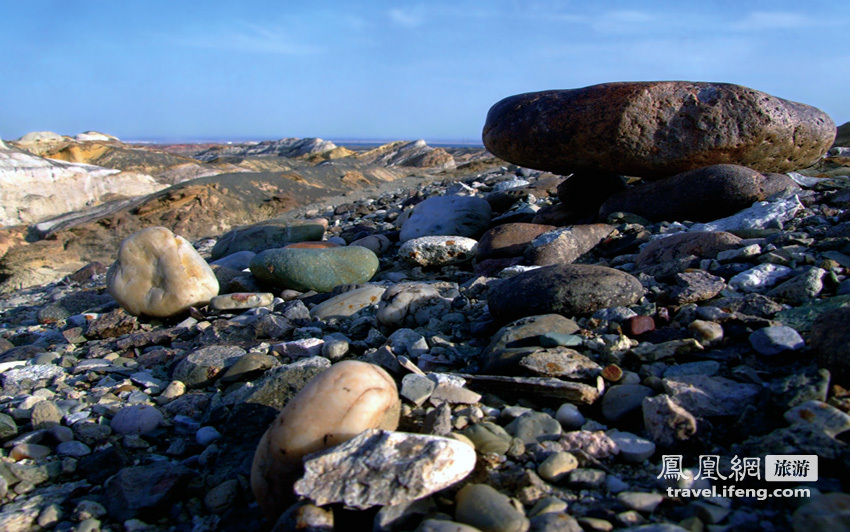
(519, 339)
(508, 240)
(656, 129)
(115, 323)
(675, 253)
(830, 338)
(699, 195)
(566, 289)
(70, 305)
(144, 491)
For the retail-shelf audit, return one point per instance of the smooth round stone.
(207, 435)
(447, 215)
(640, 501)
(201, 367)
(29, 450)
(706, 332)
(508, 240)
(237, 261)
(159, 274)
(488, 437)
(45, 414)
(633, 448)
(136, 419)
(775, 340)
(241, 300)
(569, 416)
(8, 427)
(655, 129)
(584, 478)
(623, 399)
(566, 289)
(73, 448)
(269, 234)
(483, 507)
(348, 303)
(378, 244)
(800, 289)
(438, 250)
(439, 525)
(534, 427)
(315, 269)
(557, 466)
(335, 346)
(247, 367)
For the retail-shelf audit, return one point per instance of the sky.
(195, 70)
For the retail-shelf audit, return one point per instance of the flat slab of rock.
(710, 396)
(348, 303)
(538, 387)
(566, 289)
(508, 240)
(566, 244)
(656, 129)
(379, 468)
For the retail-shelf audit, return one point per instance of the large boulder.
(656, 129)
(159, 274)
(467, 216)
(699, 195)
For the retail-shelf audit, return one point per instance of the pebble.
(640, 501)
(534, 427)
(556, 466)
(484, 508)
(241, 300)
(434, 251)
(569, 416)
(777, 339)
(273, 233)
(759, 278)
(821, 415)
(633, 448)
(584, 478)
(705, 396)
(622, 400)
(202, 366)
(348, 303)
(667, 423)
(136, 419)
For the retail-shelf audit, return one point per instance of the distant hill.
(843, 138)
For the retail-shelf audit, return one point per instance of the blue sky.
(381, 70)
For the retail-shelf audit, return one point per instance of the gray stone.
(555, 522)
(703, 367)
(520, 338)
(135, 491)
(73, 448)
(829, 511)
(566, 289)
(821, 415)
(800, 289)
(830, 337)
(763, 217)
(695, 286)
(632, 448)
(667, 423)
(393, 467)
(710, 396)
(416, 388)
(447, 215)
(439, 525)
(202, 366)
(759, 278)
(640, 501)
(435, 251)
(136, 419)
(565, 244)
(488, 437)
(623, 399)
(561, 362)
(45, 414)
(348, 303)
(569, 416)
(557, 466)
(235, 261)
(679, 251)
(411, 305)
(265, 235)
(585, 478)
(483, 507)
(774, 340)
(534, 427)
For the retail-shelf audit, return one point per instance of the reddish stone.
(612, 373)
(637, 325)
(313, 245)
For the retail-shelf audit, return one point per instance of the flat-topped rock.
(656, 129)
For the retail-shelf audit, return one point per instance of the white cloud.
(776, 20)
(249, 38)
(409, 18)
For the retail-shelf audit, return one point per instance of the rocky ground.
(598, 366)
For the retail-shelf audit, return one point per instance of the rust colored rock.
(313, 245)
(612, 373)
(656, 129)
(637, 325)
(508, 240)
(675, 253)
(699, 195)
